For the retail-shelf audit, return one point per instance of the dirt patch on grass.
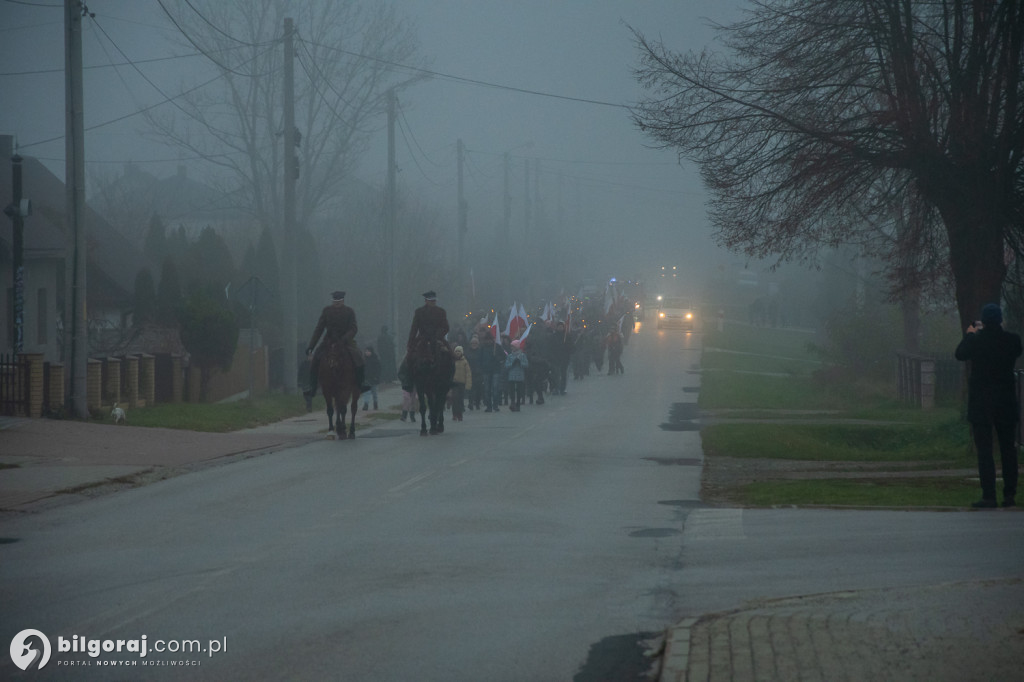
(724, 476)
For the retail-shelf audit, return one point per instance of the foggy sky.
(639, 206)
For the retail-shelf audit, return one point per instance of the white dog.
(118, 415)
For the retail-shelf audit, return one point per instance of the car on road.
(678, 313)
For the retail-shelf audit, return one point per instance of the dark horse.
(337, 376)
(432, 372)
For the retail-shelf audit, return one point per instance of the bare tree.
(832, 108)
(347, 54)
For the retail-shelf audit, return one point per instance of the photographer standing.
(992, 401)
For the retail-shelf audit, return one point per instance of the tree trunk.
(976, 255)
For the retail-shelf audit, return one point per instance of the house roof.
(112, 260)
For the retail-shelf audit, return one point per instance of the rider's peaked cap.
(430, 296)
(338, 295)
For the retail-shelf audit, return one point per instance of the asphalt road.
(539, 545)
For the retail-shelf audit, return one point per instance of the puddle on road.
(655, 533)
(676, 461)
(621, 657)
(682, 417)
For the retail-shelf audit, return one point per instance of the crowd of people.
(499, 364)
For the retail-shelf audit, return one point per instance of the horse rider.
(337, 324)
(429, 327)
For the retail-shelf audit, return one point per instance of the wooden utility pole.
(291, 173)
(391, 217)
(527, 204)
(76, 325)
(464, 293)
(18, 255)
(505, 227)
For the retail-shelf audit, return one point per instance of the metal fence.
(926, 380)
(14, 377)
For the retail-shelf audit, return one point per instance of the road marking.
(411, 482)
(714, 524)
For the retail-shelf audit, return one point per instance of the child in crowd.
(462, 381)
(516, 364)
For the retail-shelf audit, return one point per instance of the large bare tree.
(825, 109)
(347, 54)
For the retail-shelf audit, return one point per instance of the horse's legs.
(352, 423)
(439, 421)
(330, 415)
(423, 411)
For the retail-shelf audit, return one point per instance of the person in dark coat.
(386, 353)
(429, 327)
(992, 401)
(372, 376)
(492, 360)
(337, 323)
(561, 350)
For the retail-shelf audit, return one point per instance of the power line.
(321, 78)
(218, 29)
(473, 81)
(205, 52)
(412, 154)
(31, 4)
(139, 111)
(112, 64)
(166, 97)
(402, 117)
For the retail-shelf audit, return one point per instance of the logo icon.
(27, 652)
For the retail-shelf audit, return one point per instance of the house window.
(42, 321)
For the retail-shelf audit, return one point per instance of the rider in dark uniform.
(337, 323)
(429, 327)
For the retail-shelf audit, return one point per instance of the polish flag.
(516, 321)
(522, 339)
(548, 314)
(494, 327)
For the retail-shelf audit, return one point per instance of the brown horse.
(432, 371)
(337, 377)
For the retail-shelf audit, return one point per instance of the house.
(112, 262)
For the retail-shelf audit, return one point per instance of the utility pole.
(391, 217)
(463, 209)
(538, 206)
(505, 227)
(527, 205)
(16, 214)
(291, 173)
(76, 332)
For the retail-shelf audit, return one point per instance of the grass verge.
(940, 444)
(880, 492)
(771, 375)
(222, 417)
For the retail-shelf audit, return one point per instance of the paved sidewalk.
(56, 461)
(45, 462)
(950, 632)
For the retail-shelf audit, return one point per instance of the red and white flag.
(548, 314)
(516, 321)
(522, 339)
(494, 327)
